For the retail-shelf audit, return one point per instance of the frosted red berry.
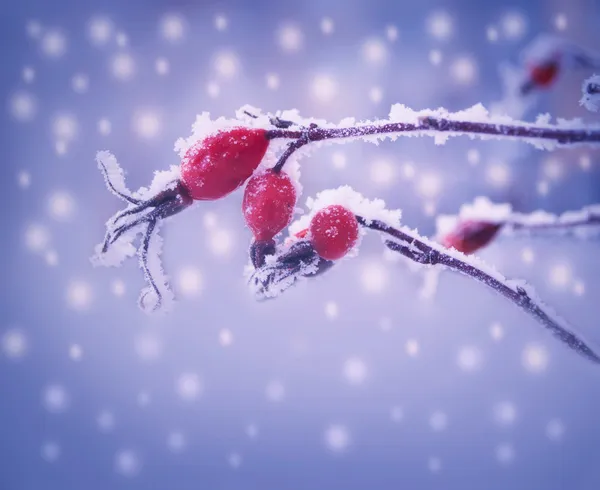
(543, 75)
(333, 232)
(470, 236)
(220, 163)
(268, 203)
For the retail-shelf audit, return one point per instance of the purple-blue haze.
(355, 380)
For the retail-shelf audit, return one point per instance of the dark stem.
(112, 188)
(436, 124)
(421, 252)
(144, 261)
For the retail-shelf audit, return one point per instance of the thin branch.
(418, 250)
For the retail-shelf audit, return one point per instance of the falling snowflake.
(355, 371)
(331, 310)
(189, 386)
(221, 22)
(148, 347)
(79, 295)
(100, 30)
(438, 421)
(123, 66)
(374, 277)
(337, 438)
(23, 106)
(176, 442)
(505, 454)
(440, 25)
(172, 27)
(75, 352)
(226, 64)
(535, 358)
(505, 413)
(555, 430)
(396, 414)
(514, 25)
(146, 124)
(55, 399)
(80, 83)
(225, 337)
(127, 463)
(324, 88)
(61, 206)
(469, 358)
(374, 51)
(14, 344)
(105, 421)
(327, 26)
(51, 451)
(190, 281)
(275, 391)
(54, 43)
(290, 38)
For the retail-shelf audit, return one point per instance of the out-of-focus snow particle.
(434, 464)
(54, 43)
(535, 358)
(127, 463)
(61, 206)
(210, 220)
(252, 431)
(105, 421)
(60, 147)
(80, 83)
(429, 208)
(118, 287)
(122, 66)
(578, 287)
(221, 242)
(55, 398)
(338, 159)
(473, 156)
(408, 170)
(24, 179)
(469, 358)
(75, 352)
(324, 88)
(22, 106)
(498, 174)
(64, 127)
(104, 126)
(143, 399)
(504, 413)
(429, 185)
(331, 310)
(225, 337)
(235, 460)
(100, 30)
(382, 172)
(327, 26)
(161, 65)
(146, 124)
(438, 421)
(555, 430)
(491, 33)
(213, 89)
(172, 27)
(376, 94)
(14, 344)
(51, 258)
(527, 255)
(543, 187)
(464, 70)
(385, 324)
(374, 277)
(560, 22)
(290, 38)
(148, 347)
(440, 25)
(514, 25)
(122, 39)
(553, 168)
(189, 386)
(28, 74)
(79, 295)
(221, 22)
(496, 331)
(412, 348)
(272, 80)
(391, 32)
(355, 371)
(226, 64)
(585, 162)
(176, 442)
(33, 29)
(37, 237)
(50, 451)
(505, 454)
(337, 438)
(435, 57)
(275, 391)
(190, 281)
(560, 276)
(374, 51)
(397, 414)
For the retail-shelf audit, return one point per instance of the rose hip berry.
(333, 232)
(268, 203)
(220, 163)
(545, 74)
(470, 236)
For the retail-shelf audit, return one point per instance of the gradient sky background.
(351, 381)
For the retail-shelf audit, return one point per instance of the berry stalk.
(521, 295)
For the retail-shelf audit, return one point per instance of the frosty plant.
(264, 152)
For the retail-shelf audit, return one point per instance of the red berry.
(218, 164)
(545, 74)
(268, 204)
(333, 231)
(470, 236)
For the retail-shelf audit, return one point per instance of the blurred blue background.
(353, 381)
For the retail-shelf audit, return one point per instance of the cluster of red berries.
(221, 163)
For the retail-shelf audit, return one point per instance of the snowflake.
(355, 371)
(14, 344)
(189, 386)
(324, 88)
(337, 438)
(290, 38)
(440, 25)
(172, 27)
(23, 106)
(190, 281)
(275, 391)
(61, 206)
(127, 463)
(146, 124)
(535, 358)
